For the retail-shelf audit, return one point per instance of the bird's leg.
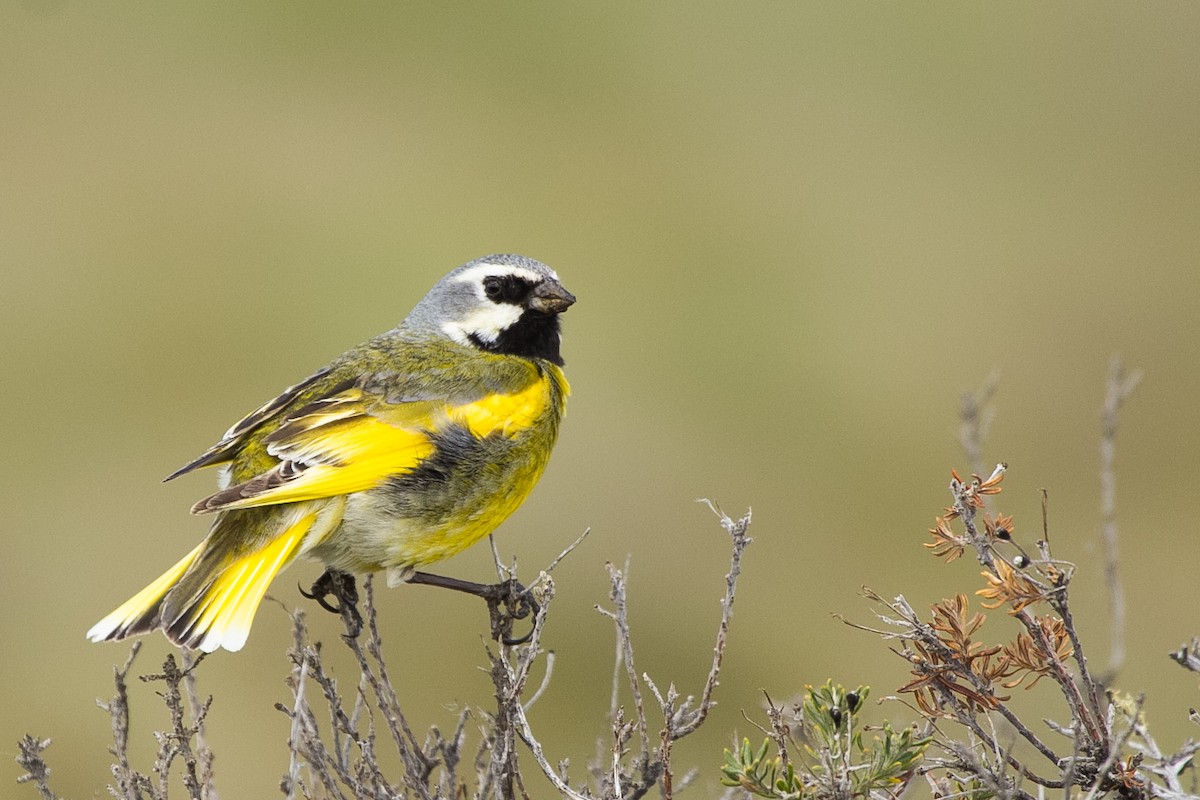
(507, 601)
(341, 586)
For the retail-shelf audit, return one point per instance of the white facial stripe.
(477, 273)
(486, 323)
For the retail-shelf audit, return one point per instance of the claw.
(520, 604)
(314, 594)
(341, 586)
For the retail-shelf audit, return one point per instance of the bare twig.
(128, 783)
(503, 572)
(510, 669)
(297, 682)
(1167, 767)
(1097, 730)
(29, 758)
(511, 666)
(620, 617)
(198, 711)
(178, 742)
(417, 765)
(739, 535)
(778, 732)
(651, 766)
(1188, 655)
(568, 550)
(535, 747)
(528, 704)
(1120, 385)
(975, 417)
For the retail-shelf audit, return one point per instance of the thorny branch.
(738, 534)
(199, 712)
(957, 686)
(336, 735)
(619, 777)
(178, 742)
(29, 758)
(181, 742)
(1120, 385)
(118, 709)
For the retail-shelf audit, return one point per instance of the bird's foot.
(342, 587)
(507, 602)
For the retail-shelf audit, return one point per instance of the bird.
(401, 452)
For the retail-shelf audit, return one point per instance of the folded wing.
(354, 439)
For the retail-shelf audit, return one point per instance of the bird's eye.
(493, 287)
(505, 288)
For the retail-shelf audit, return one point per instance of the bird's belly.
(378, 532)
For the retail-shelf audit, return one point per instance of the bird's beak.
(549, 297)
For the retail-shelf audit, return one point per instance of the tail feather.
(221, 615)
(208, 600)
(142, 612)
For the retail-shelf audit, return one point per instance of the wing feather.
(234, 438)
(353, 440)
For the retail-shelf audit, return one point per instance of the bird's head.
(506, 304)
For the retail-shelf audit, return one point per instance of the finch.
(400, 452)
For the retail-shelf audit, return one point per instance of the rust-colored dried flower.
(954, 628)
(932, 681)
(1008, 586)
(946, 543)
(1024, 657)
(970, 495)
(943, 672)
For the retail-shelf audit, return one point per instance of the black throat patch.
(533, 335)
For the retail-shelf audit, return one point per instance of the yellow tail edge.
(222, 614)
(140, 613)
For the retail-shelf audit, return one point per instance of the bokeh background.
(798, 233)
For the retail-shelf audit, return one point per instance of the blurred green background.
(797, 233)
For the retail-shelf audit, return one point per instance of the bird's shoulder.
(397, 369)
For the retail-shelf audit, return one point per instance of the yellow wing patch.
(353, 441)
(507, 414)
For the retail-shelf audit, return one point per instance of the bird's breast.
(486, 458)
